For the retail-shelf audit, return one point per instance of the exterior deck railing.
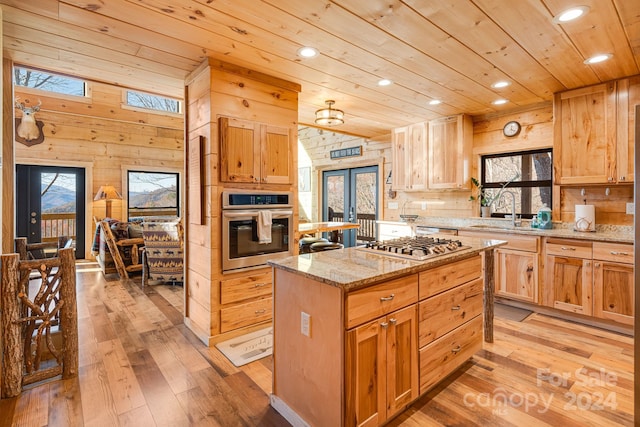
(57, 224)
(367, 230)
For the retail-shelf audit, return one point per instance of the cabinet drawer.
(440, 314)
(243, 288)
(377, 300)
(447, 353)
(616, 252)
(448, 276)
(247, 314)
(569, 248)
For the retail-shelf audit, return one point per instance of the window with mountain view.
(153, 194)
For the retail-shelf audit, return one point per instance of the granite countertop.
(603, 233)
(353, 268)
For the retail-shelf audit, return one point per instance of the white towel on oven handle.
(264, 226)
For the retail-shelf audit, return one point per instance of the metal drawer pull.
(456, 349)
(564, 248)
(260, 285)
(393, 321)
(261, 311)
(456, 307)
(619, 253)
(389, 298)
(384, 325)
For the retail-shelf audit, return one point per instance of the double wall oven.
(240, 244)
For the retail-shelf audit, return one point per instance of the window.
(26, 77)
(152, 102)
(152, 194)
(527, 175)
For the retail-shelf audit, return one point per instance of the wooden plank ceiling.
(450, 50)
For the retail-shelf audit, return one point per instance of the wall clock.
(512, 128)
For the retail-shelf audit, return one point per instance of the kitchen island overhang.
(320, 302)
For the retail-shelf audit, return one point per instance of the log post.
(488, 294)
(21, 247)
(68, 313)
(11, 335)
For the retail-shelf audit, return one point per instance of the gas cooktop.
(416, 248)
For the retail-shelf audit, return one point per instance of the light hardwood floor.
(140, 366)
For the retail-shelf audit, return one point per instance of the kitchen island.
(358, 335)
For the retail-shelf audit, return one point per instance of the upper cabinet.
(594, 133)
(408, 157)
(450, 142)
(433, 155)
(253, 152)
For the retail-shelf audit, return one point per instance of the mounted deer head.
(28, 128)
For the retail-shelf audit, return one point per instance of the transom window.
(152, 102)
(152, 194)
(26, 77)
(526, 174)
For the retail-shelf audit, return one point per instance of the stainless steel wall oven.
(240, 244)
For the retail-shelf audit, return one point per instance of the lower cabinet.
(381, 368)
(568, 281)
(245, 300)
(516, 265)
(613, 282)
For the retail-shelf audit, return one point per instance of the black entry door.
(50, 202)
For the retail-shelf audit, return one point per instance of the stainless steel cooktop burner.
(416, 248)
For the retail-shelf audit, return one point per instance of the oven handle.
(243, 214)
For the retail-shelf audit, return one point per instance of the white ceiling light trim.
(598, 58)
(307, 52)
(571, 14)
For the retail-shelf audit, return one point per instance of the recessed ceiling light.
(500, 84)
(435, 102)
(598, 58)
(384, 82)
(571, 14)
(307, 52)
(500, 101)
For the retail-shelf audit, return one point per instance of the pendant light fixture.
(329, 116)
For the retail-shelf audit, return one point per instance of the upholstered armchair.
(162, 258)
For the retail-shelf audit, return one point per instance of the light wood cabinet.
(613, 282)
(252, 152)
(409, 157)
(517, 274)
(381, 368)
(568, 282)
(594, 133)
(449, 315)
(516, 265)
(245, 300)
(450, 141)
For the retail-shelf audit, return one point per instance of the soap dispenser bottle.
(544, 218)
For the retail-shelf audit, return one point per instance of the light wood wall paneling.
(8, 159)
(610, 209)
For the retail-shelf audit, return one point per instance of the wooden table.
(328, 226)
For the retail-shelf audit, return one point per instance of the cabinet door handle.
(596, 265)
(384, 325)
(389, 298)
(455, 307)
(393, 321)
(529, 268)
(564, 248)
(619, 253)
(261, 311)
(260, 285)
(622, 178)
(456, 349)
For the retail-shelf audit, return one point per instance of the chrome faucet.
(513, 206)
